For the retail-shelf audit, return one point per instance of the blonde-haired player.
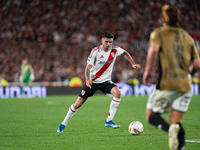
(178, 59)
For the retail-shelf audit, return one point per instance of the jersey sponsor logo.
(102, 62)
(106, 62)
(83, 92)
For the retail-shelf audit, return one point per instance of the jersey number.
(179, 60)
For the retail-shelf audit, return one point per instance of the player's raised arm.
(130, 59)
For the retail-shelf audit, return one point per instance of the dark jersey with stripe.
(177, 50)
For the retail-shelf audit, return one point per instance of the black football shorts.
(104, 87)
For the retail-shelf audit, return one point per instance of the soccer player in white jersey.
(98, 77)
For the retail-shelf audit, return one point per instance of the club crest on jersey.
(112, 54)
(82, 92)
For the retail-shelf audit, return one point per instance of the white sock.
(113, 108)
(69, 115)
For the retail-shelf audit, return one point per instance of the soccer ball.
(135, 128)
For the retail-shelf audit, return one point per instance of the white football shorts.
(160, 101)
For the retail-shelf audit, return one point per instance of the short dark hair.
(170, 14)
(107, 35)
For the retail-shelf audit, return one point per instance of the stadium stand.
(57, 36)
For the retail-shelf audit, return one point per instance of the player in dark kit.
(98, 77)
(178, 60)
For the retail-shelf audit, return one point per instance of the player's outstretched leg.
(173, 136)
(69, 115)
(113, 108)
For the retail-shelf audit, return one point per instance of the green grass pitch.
(31, 124)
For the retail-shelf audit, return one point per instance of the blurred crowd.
(57, 36)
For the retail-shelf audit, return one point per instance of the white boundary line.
(193, 141)
(53, 103)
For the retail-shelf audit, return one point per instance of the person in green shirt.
(26, 75)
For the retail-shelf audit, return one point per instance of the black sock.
(181, 137)
(159, 122)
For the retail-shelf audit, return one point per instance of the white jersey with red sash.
(103, 63)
